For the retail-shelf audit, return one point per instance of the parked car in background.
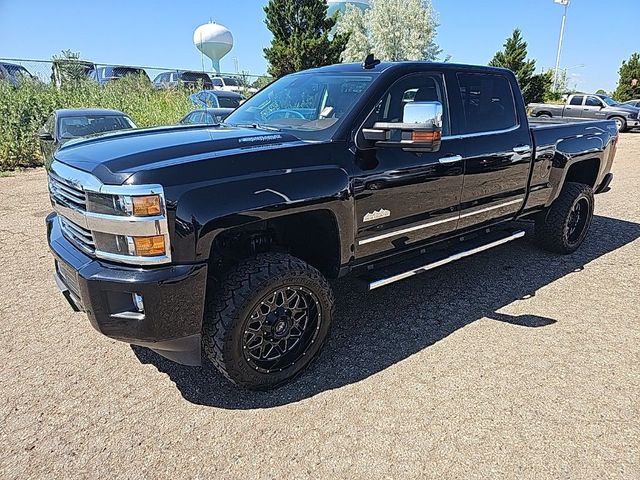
(230, 84)
(14, 73)
(216, 99)
(633, 103)
(185, 78)
(66, 124)
(209, 116)
(104, 75)
(599, 107)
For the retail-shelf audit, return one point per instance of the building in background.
(335, 5)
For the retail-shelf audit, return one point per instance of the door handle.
(451, 159)
(522, 149)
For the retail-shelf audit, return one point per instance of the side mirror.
(44, 135)
(419, 131)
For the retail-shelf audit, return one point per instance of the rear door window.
(227, 102)
(576, 100)
(488, 102)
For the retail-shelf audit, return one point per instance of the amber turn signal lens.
(425, 136)
(149, 246)
(146, 206)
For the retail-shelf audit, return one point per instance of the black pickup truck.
(214, 243)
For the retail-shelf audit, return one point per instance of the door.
(498, 149)
(48, 139)
(573, 109)
(404, 197)
(593, 108)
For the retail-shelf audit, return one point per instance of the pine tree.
(301, 36)
(629, 83)
(514, 57)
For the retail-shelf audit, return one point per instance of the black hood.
(116, 156)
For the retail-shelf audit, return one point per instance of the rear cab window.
(488, 103)
(576, 100)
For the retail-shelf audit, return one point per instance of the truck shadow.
(373, 331)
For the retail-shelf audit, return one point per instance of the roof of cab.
(387, 66)
(74, 112)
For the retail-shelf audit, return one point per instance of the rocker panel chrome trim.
(444, 261)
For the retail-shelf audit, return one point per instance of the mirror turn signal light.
(146, 206)
(149, 246)
(421, 136)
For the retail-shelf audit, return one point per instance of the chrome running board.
(452, 258)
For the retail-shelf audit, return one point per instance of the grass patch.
(23, 110)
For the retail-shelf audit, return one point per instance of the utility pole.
(565, 4)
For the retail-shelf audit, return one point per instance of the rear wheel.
(543, 115)
(267, 321)
(563, 227)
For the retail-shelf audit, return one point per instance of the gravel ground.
(510, 364)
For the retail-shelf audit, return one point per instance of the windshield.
(80, 126)
(310, 105)
(16, 70)
(609, 101)
(231, 82)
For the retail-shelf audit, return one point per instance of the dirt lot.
(511, 364)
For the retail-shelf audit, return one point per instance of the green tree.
(601, 92)
(68, 68)
(392, 30)
(539, 88)
(514, 57)
(629, 83)
(302, 36)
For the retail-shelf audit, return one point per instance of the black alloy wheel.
(281, 329)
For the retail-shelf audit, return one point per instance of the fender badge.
(377, 215)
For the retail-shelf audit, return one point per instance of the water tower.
(335, 5)
(213, 40)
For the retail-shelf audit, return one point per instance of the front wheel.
(564, 225)
(621, 124)
(267, 321)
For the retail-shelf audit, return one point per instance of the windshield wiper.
(255, 125)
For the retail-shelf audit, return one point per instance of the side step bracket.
(465, 249)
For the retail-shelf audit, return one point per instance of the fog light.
(138, 301)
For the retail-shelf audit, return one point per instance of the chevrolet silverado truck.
(214, 243)
(590, 107)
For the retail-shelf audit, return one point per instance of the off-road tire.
(231, 300)
(551, 227)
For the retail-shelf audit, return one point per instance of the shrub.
(23, 110)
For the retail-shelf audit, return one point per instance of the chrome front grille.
(66, 193)
(82, 237)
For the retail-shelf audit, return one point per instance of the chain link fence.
(54, 71)
(30, 90)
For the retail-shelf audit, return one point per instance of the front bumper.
(173, 299)
(631, 123)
